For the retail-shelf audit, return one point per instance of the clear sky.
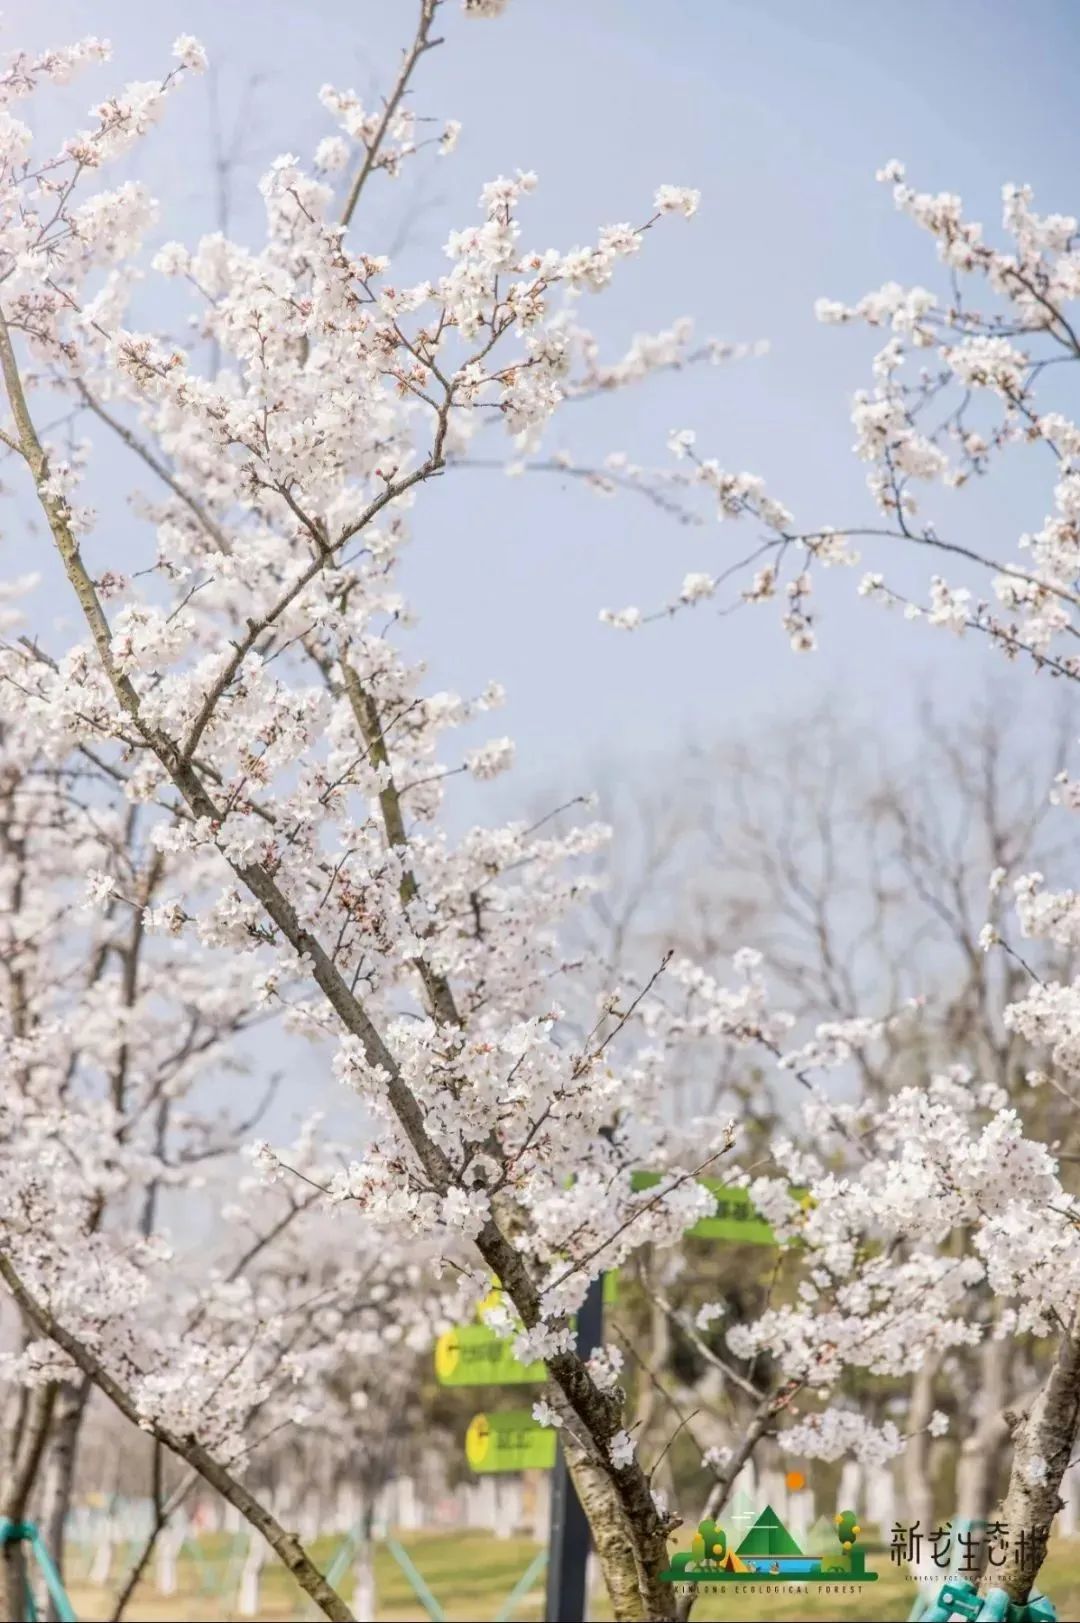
(780, 112)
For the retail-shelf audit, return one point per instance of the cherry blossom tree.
(107, 1033)
(860, 872)
(311, 1342)
(288, 757)
(245, 691)
(997, 337)
(969, 381)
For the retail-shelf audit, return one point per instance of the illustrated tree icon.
(709, 1545)
(847, 1529)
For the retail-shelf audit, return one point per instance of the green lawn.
(472, 1576)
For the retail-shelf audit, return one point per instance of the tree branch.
(286, 1546)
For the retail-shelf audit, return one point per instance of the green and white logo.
(768, 1552)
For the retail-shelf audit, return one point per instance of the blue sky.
(780, 113)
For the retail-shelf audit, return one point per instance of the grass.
(472, 1575)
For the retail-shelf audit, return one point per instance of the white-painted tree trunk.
(408, 1508)
(851, 1486)
(880, 1510)
(103, 1555)
(507, 1507)
(311, 1518)
(364, 1583)
(170, 1543)
(247, 1600)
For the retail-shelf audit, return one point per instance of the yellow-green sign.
(735, 1218)
(473, 1355)
(511, 1441)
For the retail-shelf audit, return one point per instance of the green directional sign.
(473, 1355)
(735, 1217)
(511, 1441)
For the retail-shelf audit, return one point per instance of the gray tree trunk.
(60, 1470)
(1043, 1441)
(918, 1484)
(983, 1451)
(19, 1484)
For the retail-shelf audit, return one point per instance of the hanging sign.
(511, 1441)
(735, 1217)
(473, 1355)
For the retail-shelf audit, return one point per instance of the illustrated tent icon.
(731, 1563)
(768, 1536)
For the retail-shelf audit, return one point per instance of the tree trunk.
(654, 1423)
(982, 1452)
(60, 1470)
(15, 1409)
(13, 1577)
(16, 1496)
(1043, 1440)
(918, 1485)
(636, 1595)
(364, 1566)
(617, 1500)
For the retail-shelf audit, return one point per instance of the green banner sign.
(473, 1355)
(511, 1441)
(734, 1219)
